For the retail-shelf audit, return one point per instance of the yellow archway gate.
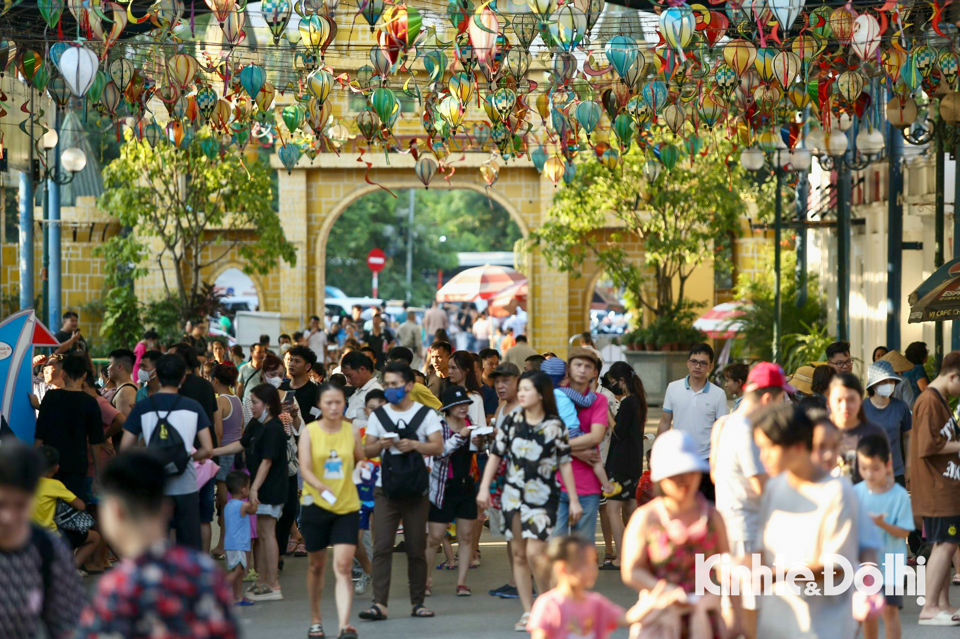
(314, 195)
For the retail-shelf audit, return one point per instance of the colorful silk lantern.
(425, 168)
(78, 66)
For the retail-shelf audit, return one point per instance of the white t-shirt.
(695, 412)
(429, 425)
(357, 401)
(803, 526)
(737, 460)
(317, 341)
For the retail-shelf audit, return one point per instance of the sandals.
(316, 631)
(373, 613)
(464, 591)
(348, 632)
(219, 556)
(447, 566)
(521, 626)
(420, 611)
(608, 565)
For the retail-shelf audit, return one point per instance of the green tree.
(757, 292)
(678, 216)
(467, 220)
(191, 200)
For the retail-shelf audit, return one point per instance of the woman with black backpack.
(264, 444)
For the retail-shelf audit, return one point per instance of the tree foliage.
(678, 217)
(467, 220)
(191, 202)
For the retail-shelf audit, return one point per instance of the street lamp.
(779, 160)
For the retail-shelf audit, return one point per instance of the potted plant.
(649, 339)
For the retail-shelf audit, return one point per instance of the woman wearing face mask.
(264, 446)
(845, 402)
(889, 413)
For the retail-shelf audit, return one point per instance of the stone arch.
(586, 299)
(255, 278)
(330, 218)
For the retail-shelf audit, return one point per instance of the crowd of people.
(294, 454)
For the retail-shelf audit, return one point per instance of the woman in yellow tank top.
(329, 451)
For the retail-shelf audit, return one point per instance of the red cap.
(767, 375)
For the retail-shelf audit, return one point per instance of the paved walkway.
(480, 616)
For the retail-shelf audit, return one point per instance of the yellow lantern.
(553, 169)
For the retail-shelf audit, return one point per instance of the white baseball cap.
(675, 453)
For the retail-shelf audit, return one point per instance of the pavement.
(480, 616)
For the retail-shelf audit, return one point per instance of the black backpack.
(403, 475)
(167, 444)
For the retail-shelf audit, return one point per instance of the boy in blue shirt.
(236, 525)
(888, 505)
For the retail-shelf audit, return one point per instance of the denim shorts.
(270, 510)
(226, 467)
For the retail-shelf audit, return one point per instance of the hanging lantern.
(865, 38)
(739, 55)
(490, 171)
(524, 26)
(277, 14)
(677, 25)
(368, 123)
(568, 27)
(252, 79)
(785, 12)
(371, 10)
(553, 169)
(621, 52)
(425, 168)
(483, 35)
(232, 27)
(183, 69)
(293, 116)
(674, 117)
(461, 85)
(221, 8)
(451, 110)
(289, 155)
(319, 84)
(588, 114)
(264, 99)
(78, 66)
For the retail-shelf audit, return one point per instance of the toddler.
(236, 525)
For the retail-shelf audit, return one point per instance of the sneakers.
(362, 584)
(521, 626)
(252, 575)
(357, 571)
(265, 593)
(510, 592)
(496, 591)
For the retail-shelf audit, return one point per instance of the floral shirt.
(533, 455)
(169, 592)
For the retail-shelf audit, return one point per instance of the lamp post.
(781, 162)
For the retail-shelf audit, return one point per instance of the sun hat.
(505, 368)
(454, 396)
(579, 352)
(767, 375)
(881, 371)
(900, 363)
(555, 368)
(802, 380)
(674, 453)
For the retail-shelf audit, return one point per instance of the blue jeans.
(587, 526)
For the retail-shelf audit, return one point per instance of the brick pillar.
(293, 279)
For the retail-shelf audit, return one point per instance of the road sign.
(376, 260)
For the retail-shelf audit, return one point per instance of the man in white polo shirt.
(693, 404)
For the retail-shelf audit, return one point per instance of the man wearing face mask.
(401, 434)
(147, 375)
(889, 413)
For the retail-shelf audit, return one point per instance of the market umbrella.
(938, 297)
(507, 301)
(479, 283)
(721, 322)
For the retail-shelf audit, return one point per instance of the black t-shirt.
(376, 342)
(201, 391)
(308, 396)
(267, 441)
(79, 345)
(625, 457)
(199, 344)
(68, 421)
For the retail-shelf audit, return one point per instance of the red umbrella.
(479, 283)
(506, 302)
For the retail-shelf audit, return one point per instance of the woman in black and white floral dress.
(535, 446)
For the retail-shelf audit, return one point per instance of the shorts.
(741, 548)
(629, 488)
(207, 502)
(894, 601)
(366, 514)
(942, 529)
(270, 510)
(75, 539)
(226, 467)
(459, 502)
(88, 497)
(236, 558)
(321, 528)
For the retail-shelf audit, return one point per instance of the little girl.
(664, 538)
(572, 610)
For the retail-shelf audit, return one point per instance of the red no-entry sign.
(376, 260)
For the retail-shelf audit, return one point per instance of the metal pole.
(939, 240)
(803, 195)
(26, 225)
(955, 328)
(412, 196)
(44, 272)
(844, 188)
(777, 250)
(894, 234)
(54, 273)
